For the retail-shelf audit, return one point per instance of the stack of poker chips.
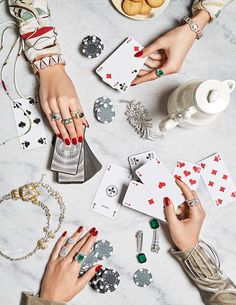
(106, 280)
(104, 110)
(92, 46)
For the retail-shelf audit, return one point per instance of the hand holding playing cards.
(60, 282)
(168, 52)
(186, 226)
(58, 96)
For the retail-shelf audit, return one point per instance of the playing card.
(159, 182)
(66, 157)
(92, 165)
(111, 190)
(36, 137)
(121, 68)
(188, 173)
(79, 177)
(218, 180)
(138, 198)
(138, 160)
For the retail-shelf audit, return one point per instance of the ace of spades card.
(121, 68)
(22, 109)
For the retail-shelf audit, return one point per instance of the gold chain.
(30, 193)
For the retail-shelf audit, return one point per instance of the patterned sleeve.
(33, 18)
(213, 7)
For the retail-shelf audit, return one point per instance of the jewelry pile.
(30, 193)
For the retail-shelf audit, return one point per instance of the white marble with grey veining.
(211, 57)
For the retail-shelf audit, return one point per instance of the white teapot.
(197, 103)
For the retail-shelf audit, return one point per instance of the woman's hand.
(61, 282)
(58, 95)
(168, 52)
(186, 226)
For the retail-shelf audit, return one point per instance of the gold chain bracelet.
(30, 193)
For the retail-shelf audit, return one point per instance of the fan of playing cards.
(152, 181)
(74, 163)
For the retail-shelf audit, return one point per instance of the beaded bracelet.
(30, 193)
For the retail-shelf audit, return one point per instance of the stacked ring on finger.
(71, 241)
(80, 257)
(55, 116)
(63, 252)
(78, 114)
(192, 202)
(67, 121)
(159, 72)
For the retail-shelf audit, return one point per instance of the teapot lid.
(212, 96)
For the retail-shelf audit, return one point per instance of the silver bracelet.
(193, 26)
(56, 59)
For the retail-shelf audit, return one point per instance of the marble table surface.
(211, 57)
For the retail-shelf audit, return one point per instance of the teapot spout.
(230, 84)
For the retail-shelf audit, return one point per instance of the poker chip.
(142, 277)
(92, 46)
(104, 110)
(91, 260)
(106, 280)
(103, 248)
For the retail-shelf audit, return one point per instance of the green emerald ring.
(55, 116)
(67, 121)
(159, 72)
(80, 257)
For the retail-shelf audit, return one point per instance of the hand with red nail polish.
(58, 95)
(60, 282)
(185, 223)
(167, 53)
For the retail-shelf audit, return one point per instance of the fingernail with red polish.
(80, 229)
(74, 141)
(98, 268)
(133, 85)
(67, 141)
(92, 230)
(59, 136)
(64, 234)
(167, 201)
(80, 139)
(178, 178)
(138, 54)
(95, 233)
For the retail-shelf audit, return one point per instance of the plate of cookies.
(140, 9)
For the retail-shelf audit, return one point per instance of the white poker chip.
(103, 248)
(92, 46)
(142, 277)
(104, 110)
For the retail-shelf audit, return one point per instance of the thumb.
(87, 276)
(170, 211)
(153, 47)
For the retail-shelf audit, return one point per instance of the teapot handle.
(230, 84)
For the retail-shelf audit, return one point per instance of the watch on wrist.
(193, 26)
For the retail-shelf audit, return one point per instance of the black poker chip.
(106, 280)
(92, 46)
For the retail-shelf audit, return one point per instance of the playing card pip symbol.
(111, 190)
(108, 76)
(27, 112)
(135, 161)
(32, 101)
(136, 48)
(37, 121)
(180, 164)
(150, 156)
(134, 71)
(123, 86)
(25, 144)
(21, 124)
(16, 105)
(217, 158)
(42, 141)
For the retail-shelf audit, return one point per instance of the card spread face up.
(138, 198)
(139, 160)
(111, 191)
(188, 173)
(36, 137)
(159, 182)
(121, 68)
(218, 180)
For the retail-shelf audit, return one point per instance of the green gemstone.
(79, 258)
(159, 72)
(154, 223)
(141, 257)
